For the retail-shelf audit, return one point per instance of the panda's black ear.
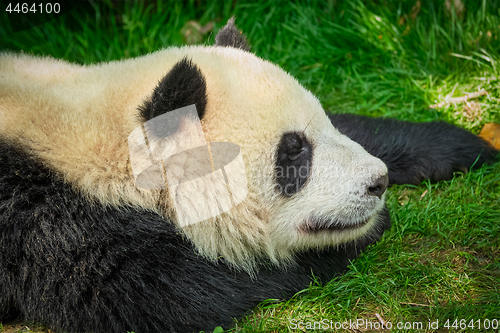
(184, 85)
(229, 35)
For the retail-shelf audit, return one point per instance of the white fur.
(77, 120)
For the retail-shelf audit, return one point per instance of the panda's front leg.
(416, 151)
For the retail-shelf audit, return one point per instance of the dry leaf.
(491, 133)
(403, 200)
(193, 32)
(456, 5)
(472, 111)
(415, 10)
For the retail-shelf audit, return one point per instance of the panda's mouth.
(319, 224)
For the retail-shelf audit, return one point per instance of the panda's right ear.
(184, 85)
(229, 35)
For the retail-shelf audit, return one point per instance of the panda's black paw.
(414, 152)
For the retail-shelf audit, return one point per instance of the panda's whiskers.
(310, 121)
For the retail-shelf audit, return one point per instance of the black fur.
(293, 163)
(416, 151)
(184, 85)
(230, 36)
(80, 267)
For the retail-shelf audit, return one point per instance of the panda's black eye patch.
(293, 163)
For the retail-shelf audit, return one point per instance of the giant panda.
(84, 248)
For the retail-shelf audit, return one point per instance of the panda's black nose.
(379, 186)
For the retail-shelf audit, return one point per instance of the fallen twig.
(380, 319)
(455, 100)
(414, 304)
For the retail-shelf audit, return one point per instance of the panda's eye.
(293, 163)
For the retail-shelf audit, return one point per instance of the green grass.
(441, 253)
(373, 58)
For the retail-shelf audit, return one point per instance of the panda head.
(304, 184)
